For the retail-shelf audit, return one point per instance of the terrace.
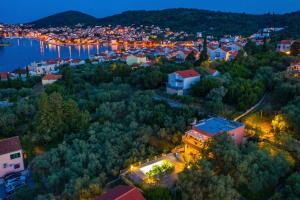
(161, 171)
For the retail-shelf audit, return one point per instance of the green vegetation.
(157, 193)
(69, 18)
(101, 119)
(160, 170)
(190, 20)
(227, 172)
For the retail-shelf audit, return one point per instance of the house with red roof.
(284, 46)
(180, 82)
(50, 78)
(11, 156)
(4, 76)
(214, 72)
(122, 192)
(218, 53)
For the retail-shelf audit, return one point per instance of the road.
(251, 109)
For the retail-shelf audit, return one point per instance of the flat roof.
(216, 125)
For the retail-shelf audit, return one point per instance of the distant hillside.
(190, 20)
(69, 18)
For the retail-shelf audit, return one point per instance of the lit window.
(15, 155)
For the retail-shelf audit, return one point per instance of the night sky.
(19, 11)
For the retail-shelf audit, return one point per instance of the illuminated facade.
(204, 130)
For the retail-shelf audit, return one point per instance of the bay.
(24, 51)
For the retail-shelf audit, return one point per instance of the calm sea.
(24, 51)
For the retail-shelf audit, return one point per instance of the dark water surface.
(24, 51)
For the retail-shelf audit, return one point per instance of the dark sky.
(13, 11)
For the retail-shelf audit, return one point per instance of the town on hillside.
(154, 114)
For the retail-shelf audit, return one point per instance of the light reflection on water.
(25, 51)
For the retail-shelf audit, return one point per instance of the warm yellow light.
(288, 53)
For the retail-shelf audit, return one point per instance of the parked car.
(13, 181)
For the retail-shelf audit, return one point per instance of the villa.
(284, 46)
(294, 68)
(180, 82)
(11, 156)
(50, 78)
(206, 129)
(139, 59)
(4, 76)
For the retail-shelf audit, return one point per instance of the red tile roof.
(285, 42)
(52, 77)
(212, 71)
(122, 193)
(188, 73)
(4, 75)
(10, 145)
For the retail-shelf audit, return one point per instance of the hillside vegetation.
(190, 20)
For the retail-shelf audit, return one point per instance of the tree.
(67, 77)
(291, 189)
(201, 183)
(203, 55)
(203, 87)
(215, 99)
(153, 79)
(279, 124)
(157, 193)
(244, 93)
(191, 57)
(291, 116)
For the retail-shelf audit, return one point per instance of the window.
(17, 166)
(4, 165)
(15, 155)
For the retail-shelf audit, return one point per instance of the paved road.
(251, 109)
(172, 103)
(2, 188)
(2, 191)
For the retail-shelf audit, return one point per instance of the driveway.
(2, 191)
(2, 187)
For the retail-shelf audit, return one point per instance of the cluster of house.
(129, 40)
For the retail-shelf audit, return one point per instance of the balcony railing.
(186, 139)
(175, 87)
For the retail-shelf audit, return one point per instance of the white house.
(284, 46)
(45, 67)
(139, 59)
(180, 82)
(218, 54)
(11, 156)
(50, 78)
(214, 72)
(76, 62)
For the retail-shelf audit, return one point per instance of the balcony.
(192, 142)
(175, 86)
